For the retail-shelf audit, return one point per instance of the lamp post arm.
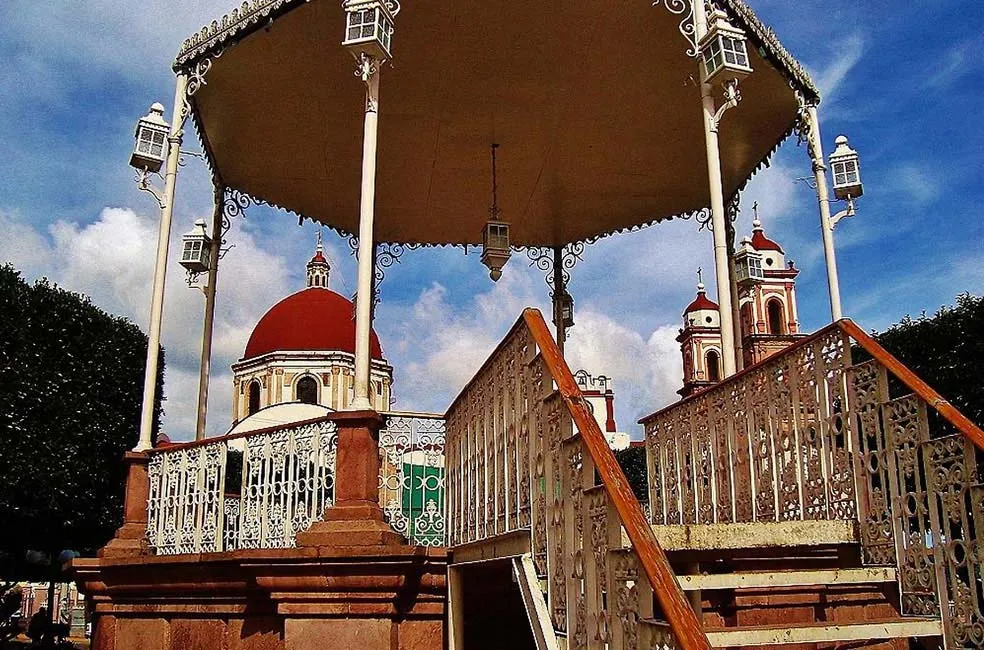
(843, 214)
(144, 185)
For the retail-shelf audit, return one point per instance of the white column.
(718, 215)
(823, 198)
(160, 267)
(364, 297)
(213, 273)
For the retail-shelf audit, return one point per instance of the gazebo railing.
(411, 476)
(811, 435)
(516, 468)
(201, 502)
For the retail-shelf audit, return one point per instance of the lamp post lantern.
(369, 29)
(196, 248)
(724, 49)
(150, 149)
(144, 160)
(846, 167)
(723, 54)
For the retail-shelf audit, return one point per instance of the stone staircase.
(810, 502)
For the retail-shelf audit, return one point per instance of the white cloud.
(850, 49)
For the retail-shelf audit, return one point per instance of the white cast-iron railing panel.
(185, 501)
(411, 476)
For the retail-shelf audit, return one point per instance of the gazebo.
(501, 125)
(602, 121)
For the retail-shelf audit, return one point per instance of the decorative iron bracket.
(732, 97)
(684, 9)
(542, 257)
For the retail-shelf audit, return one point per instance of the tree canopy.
(71, 383)
(946, 351)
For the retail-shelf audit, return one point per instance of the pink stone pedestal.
(351, 583)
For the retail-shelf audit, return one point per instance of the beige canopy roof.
(594, 106)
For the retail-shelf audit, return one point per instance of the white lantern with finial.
(724, 49)
(151, 140)
(196, 248)
(369, 27)
(496, 249)
(846, 168)
(496, 246)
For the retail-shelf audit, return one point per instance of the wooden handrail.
(914, 383)
(680, 615)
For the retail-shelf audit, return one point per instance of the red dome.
(313, 319)
(763, 243)
(702, 302)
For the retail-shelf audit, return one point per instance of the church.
(767, 304)
(299, 362)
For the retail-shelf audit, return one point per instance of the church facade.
(767, 305)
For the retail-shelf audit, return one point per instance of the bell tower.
(700, 342)
(767, 295)
(318, 268)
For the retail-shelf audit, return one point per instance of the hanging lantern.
(846, 167)
(748, 264)
(495, 248)
(566, 310)
(724, 49)
(369, 27)
(196, 249)
(151, 140)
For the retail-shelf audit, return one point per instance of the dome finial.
(700, 280)
(756, 221)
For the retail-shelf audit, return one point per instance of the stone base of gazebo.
(371, 598)
(349, 584)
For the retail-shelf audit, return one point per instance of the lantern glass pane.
(369, 22)
(713, 58)
(735, 51)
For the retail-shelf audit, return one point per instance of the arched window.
(776, 317)
(254, 397)
(306, 390)
(747, 320)
(713, 366)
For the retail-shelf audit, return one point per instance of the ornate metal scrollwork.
(542, 257)
(685, 9)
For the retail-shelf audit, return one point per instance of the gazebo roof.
(595, 109)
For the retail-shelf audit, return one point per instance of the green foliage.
(71, 380)
(946, 351)
(633, 463)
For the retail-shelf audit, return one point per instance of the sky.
(900, 78)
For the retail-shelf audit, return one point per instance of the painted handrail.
(680, 615)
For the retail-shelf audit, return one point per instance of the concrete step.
(790, 578)
(897, 628)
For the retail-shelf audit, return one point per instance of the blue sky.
(901, 79)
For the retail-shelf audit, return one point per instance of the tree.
(946, 351)
(71, 379)
(633, 463)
